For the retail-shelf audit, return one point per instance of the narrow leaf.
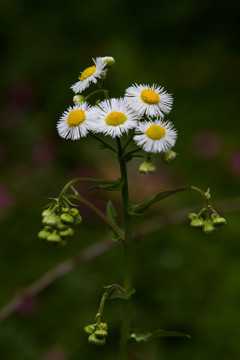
(142, 335)
(120, 294)
(112, 215)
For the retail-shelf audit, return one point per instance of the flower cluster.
(58, 221)
(97, 333)
(142, 109)
(206, 222)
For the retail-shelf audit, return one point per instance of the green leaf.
(139, 212)
(109, 187)
(112, 215)
(120, 294)
(142, 335)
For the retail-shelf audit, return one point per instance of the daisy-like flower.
(149, 100)
(155, 136)
(75, 122)
(113, 117)
(90, 75)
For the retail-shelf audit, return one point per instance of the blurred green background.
(185, 280)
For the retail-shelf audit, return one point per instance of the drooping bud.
(43, 234)
(51, 220)
(54, 238)
(192, 216)
(78, 99)
(219, 221)
(78, 220)
(101, 334)
(169, 156)
(208, 226)
(67, 219)
(94, 340)
(197, 223)
(103, 326)
(147, 168)
(46, 212)
(74, 212)
(109, 60)
(90, 329)
(66, 233)
(62, 227)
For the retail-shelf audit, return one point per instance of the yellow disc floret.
(87, 72)
(155, 132)
(115, 118)
(150, 97)
(76, 117)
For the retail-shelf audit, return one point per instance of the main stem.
(128, 250)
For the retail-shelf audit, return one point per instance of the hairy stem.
(128, 253)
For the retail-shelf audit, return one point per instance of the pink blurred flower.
(206, 144)
(235, 163)
(6, 199)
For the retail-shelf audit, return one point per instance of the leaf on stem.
(109, 187)
(117, 293)
(112, 215)
(143, 335)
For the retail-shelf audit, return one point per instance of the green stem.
(98, 212)
(92, 94)
(98, 181)
(128, 254)
(103, 142)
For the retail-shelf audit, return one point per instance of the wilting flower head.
(149, 100)
(90, 75)
(155, 136)
(75, 122)
(113, 117)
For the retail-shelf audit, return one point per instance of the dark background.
(185, 280)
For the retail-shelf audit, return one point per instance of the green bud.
(48, 228)
(90, 329)
(147, 168)
(101, 334)
(46, 212)
(213, 216)
(54, 238)
(103, 326)
(74, 212)
(43, 234)
(208, 226)
(219, 221)
(67, 219)
(197, 223)
(78, 99)
(192, 216)
(94, 340)
(109, 60)
(78, 220)
(62, 227)
(51, 220)
(66, 233)
(168, 156)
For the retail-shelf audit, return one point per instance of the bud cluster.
(97, 333)
(58, 224)
(204, 221)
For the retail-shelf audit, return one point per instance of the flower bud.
(46, 212)
(147, 168)
(43, 234)
(78, 99)
(78, 220)
(219, 221)
(67, 219)
(62, 227)
(192, 216)
(66, 233)
(101, 334)
(197, 223)
(74, 212)
(54, 238)
(168, 156)
(51, 220)
(90, 329)
(109, 60)
(103, 326)
(94, 340)
(208, 226)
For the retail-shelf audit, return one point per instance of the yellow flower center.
(155, 132)
(150, 97)
(76, 117)
(87, 72)
(115, 118)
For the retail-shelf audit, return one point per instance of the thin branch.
(98, 249)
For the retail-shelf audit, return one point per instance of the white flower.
(113, 117)
(149, 100)
(75, 122)
(90, 75)
(155, 136)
